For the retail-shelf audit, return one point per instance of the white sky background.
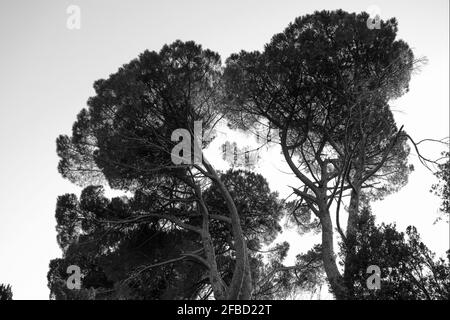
(47, 72)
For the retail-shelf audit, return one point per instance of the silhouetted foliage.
(278, 281)
(125, 134)
(115, 257)
(442, 188)
(325, 84)
(6, 292)
(124, 139)
(409, 270)
(189, 232)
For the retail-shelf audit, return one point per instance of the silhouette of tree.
(127, 255)
(441, 188)
(124, 139)
(187, 231)
(325, 84)
(5, 292)
(409, 270)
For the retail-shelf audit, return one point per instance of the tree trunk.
(216, 281)
(246, 292)
(328, 257)
(352, 228)
(236, 288)
(214, 277)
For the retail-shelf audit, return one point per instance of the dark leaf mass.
(189, 231)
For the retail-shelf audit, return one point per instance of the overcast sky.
(47, 72)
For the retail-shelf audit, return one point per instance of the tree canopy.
(442, 188)
(409, 270)
(322, 92)
(5, 292)
(325, 83)
(147, 258)
(124, 140)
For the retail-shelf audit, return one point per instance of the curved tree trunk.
(328, 257)
(240, 286)
(216, 281)
(214, 277)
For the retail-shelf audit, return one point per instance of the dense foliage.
(187, 231)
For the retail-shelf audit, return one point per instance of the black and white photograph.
(244, 152)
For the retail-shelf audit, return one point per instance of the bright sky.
(47, 72)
